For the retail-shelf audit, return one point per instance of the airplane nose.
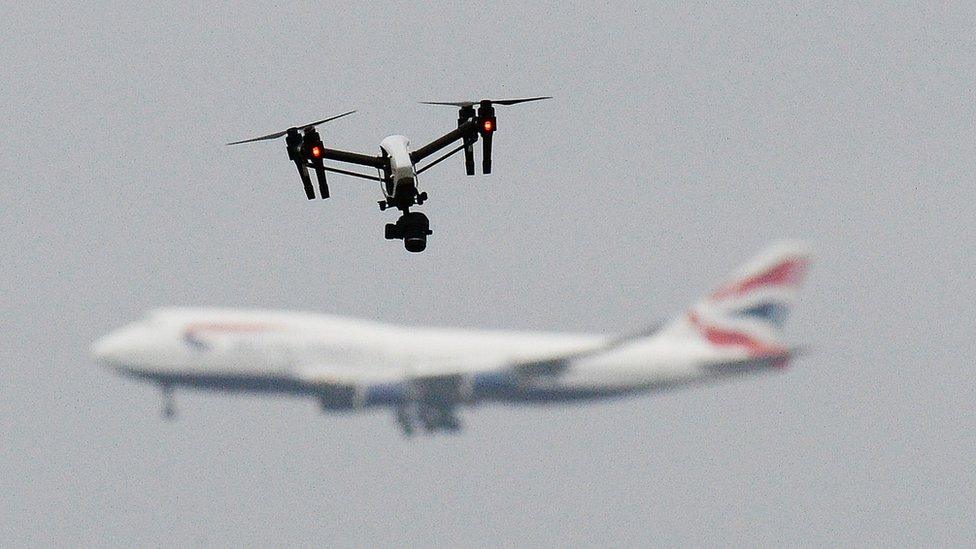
(112, 349)
(103, 349)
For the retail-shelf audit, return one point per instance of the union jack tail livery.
(745, 315)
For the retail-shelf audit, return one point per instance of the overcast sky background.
(682, 139)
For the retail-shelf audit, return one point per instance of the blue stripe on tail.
(772, 312)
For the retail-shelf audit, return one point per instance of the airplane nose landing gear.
(169, 406)
(413, 228)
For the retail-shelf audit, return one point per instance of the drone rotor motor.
(314, 150)
(486, 127)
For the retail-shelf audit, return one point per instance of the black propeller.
(304, 144)
(276, 135)
(487, 124)
(495, 101)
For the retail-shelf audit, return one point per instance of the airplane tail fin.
(745, 315)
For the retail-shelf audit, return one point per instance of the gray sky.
(682, 140)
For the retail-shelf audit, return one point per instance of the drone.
(397, 164)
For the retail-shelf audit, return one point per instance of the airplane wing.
(437, 373)
(428, 397)
(429, 392)
(547, 366)
(340, 387)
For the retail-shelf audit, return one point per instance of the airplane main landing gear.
(432, 416)
(405, 418)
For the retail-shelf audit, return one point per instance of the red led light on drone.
(488, 125)
(316, 151)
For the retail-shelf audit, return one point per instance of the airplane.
(427, 375)
(397, 164)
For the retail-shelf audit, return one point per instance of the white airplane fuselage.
(298, 352)
(351, 364)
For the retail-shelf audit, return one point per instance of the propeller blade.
(276, 135)
(517, 101)
(450, 103)
(462, 104)
(336, 117)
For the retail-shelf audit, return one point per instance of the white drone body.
(397, 163)
(403, 172)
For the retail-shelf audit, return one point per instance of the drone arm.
(354, 174)
(354, 158)
(463, 131)
(447, 155)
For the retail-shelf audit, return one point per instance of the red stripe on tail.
(732, 338)
(786, 273)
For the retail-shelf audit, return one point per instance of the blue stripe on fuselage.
(498, 386)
